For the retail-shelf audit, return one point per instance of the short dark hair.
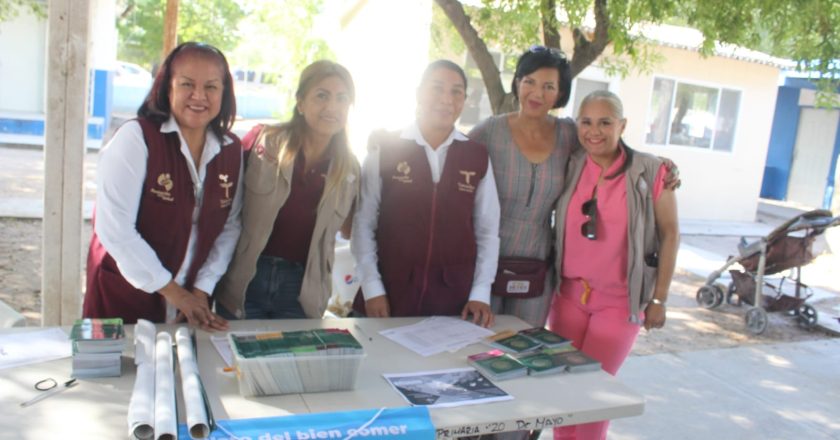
(538, 57)
(156, 105)
(443, 64)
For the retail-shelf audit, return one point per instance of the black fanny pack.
(519, 277)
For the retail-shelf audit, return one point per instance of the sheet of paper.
(222, 345)
(437, 334)
(22, 348)
(446, 388)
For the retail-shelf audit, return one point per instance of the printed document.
(437, 334)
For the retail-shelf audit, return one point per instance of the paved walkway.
(781, 391)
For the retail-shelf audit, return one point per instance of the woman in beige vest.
(616, 242)
(301, 182)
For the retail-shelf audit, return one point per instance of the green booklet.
(516, 344)
(497, 364)
(545, 337)
(295, 343)
(545, 361)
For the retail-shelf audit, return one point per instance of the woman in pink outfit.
(617, 239)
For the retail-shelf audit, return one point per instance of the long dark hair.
(156, 105)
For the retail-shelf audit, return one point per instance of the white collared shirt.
(120, 175)
(485, 219)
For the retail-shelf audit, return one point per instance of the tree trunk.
(587, 51)
(479, 52)
(548, 20)
(170, 28)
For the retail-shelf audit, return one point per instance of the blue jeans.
(274, 291)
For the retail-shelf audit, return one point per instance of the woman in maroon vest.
(300, 185)
(167, 202)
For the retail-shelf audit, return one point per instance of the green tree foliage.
(803, 30)
(140, 26)
(279, 38)
(9, 9)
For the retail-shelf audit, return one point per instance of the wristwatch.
(658, 302)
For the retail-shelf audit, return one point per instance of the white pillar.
(64, 139)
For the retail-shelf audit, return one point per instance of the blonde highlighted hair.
(287, 138)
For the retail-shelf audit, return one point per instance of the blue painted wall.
(782, 140)
(103, 97)
(832, 185)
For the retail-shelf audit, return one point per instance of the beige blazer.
(266, 188)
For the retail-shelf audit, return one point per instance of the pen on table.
(362, 332)
(69, 384)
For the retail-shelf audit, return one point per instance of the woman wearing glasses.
(529, 150)
(300, 184)
(168, 199)
(616, 241)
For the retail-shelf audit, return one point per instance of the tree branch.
(588, 51)
(548, 20)
(478, 50)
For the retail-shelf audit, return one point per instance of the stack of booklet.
(528, 340)
(533, 351)
(296, 362)
(499, 365)
(97, 347)
(558, 360)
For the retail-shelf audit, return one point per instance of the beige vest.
(265, 190)
(642, 236)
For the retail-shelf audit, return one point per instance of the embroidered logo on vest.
(405, 170)
(466, 186)
(226, 201)
(165, 181)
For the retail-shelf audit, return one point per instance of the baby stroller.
(786, 247)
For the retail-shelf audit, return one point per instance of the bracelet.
(658, 302)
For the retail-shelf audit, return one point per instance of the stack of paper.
(437, 334)
(296, 362)
(97, 347)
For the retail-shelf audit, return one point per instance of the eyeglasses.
(539, 49)
(590, 210)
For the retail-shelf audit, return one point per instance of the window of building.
(692, 115)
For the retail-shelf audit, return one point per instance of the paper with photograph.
(446, 388)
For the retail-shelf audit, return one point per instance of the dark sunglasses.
(539, 49)
(590, 210)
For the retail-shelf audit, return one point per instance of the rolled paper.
(191, 386)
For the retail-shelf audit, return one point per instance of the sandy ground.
(689, 327)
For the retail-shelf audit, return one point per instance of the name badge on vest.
(223, 182)
(403, 170)
(165, 181)
(466, 185)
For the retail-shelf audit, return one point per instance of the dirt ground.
(689, 327)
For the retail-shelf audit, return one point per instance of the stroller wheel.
(709, 297)
(806, 316)
(756, 320)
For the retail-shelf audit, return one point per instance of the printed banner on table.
(406, 423)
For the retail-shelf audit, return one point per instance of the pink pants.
(600, 329)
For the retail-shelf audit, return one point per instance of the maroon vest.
(164, 220)
(425, 235)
